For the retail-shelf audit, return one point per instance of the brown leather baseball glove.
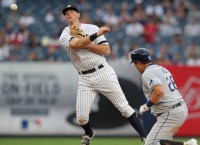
(76, 32)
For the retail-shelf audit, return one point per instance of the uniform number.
(172, 86)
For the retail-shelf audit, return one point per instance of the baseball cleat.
(143, 140)
(86, 139)
(191, 142)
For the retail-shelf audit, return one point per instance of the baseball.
(13, 7)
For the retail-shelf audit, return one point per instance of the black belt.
(90, 70)
(176, 105)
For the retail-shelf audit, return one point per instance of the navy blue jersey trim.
(71, 38)
(161, 127)
(102, 42)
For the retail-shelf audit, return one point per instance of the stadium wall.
(40, 98)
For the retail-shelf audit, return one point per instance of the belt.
(175, 106)
(90, 70)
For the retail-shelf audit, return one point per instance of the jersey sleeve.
(151, 80)
(101, 39)
(65, 38)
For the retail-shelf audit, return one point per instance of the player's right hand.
(103, 30)
(143, 109)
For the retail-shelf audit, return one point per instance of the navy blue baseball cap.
(140, 54)
(70, 7)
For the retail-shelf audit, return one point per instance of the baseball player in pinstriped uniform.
(95, 75)
(164, 100)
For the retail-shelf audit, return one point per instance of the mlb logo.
(31, 124)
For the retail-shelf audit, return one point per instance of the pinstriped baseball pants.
(102, 81)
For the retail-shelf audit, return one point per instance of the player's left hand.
(143, 109)
(76, 32)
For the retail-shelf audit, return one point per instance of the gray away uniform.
(170, 110)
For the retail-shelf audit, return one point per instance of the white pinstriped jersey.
(83, 59)
(158, 75)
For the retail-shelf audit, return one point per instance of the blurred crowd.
(170, 29)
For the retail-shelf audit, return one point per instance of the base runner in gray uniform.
(164, 100)
(95, 75)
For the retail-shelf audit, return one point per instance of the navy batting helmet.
(141, 55)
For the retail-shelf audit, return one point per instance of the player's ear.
(78, 14)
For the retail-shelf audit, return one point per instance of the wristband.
(93, 36)
(149, 104)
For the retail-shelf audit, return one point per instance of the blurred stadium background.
(38, 83)
(169, 28)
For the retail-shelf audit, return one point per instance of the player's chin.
(70, 20)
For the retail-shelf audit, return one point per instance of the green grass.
(72, 141)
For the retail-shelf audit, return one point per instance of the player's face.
(71, 16)
(139, 66)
